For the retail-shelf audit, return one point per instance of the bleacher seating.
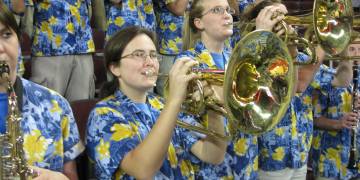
(81, 110)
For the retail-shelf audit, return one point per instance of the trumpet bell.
(333, 24)
(259, 83)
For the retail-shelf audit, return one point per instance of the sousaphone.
(259, 83)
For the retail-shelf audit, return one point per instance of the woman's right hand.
(266, 19)
(179, 77)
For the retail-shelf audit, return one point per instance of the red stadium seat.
(25, 43)
(81, 110)
(99, 41)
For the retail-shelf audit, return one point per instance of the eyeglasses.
(219, 10)
(141, 54)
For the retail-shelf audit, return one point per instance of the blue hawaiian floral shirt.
(288, 144)
(130, 13)
(117, 125)
(330, 149)
(62, 27)
(51, 136)
(168, 29)
(242, 153)
(236, 36)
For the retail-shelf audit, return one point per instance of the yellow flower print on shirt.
(186, 168)
(35, 146)
(106, 110)
(55, 107)
(206, 58)
(279, 131)
(45, 5)
(256, 163)
(332, 109)
(58, 40)
(172, 156)
(307, 100)
(172, 27)
(45, 27)
(278, 154)
(240, 146)
(75, 12)
(65, 127)
(148, 9)
(59, 148)
(173, 46)
(122, 131)
(103, 149)
(316, 142)
(53, 20)
(162, 26)
(321, 163)
(156, 103)
(91, 45)
(347, 101)
(334, 155)
(131, 4)
(119, 21)
(70, 28)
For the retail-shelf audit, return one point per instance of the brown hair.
(253, 10)
(114, 49)
(7, 18)
(190, 32)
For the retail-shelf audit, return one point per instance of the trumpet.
(196, 107)
(257, 86)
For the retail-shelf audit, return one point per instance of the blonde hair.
(191, 33)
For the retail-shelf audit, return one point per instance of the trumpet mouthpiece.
(150, 73)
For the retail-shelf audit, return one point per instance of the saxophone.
(352, 164)
(13, 164)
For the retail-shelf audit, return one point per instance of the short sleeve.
(71, 139)
(109, 138)
(188, 137)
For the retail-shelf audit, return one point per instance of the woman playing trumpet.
(132, 133)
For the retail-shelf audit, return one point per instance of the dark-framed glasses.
(142, 55)
(219, 10)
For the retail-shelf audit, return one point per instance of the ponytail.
(190, 33)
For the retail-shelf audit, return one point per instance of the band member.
(51, 138)
(283, 151)
(125, 13)
(334, 118)
(132, 133)
(209, 25)
(169, 30)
